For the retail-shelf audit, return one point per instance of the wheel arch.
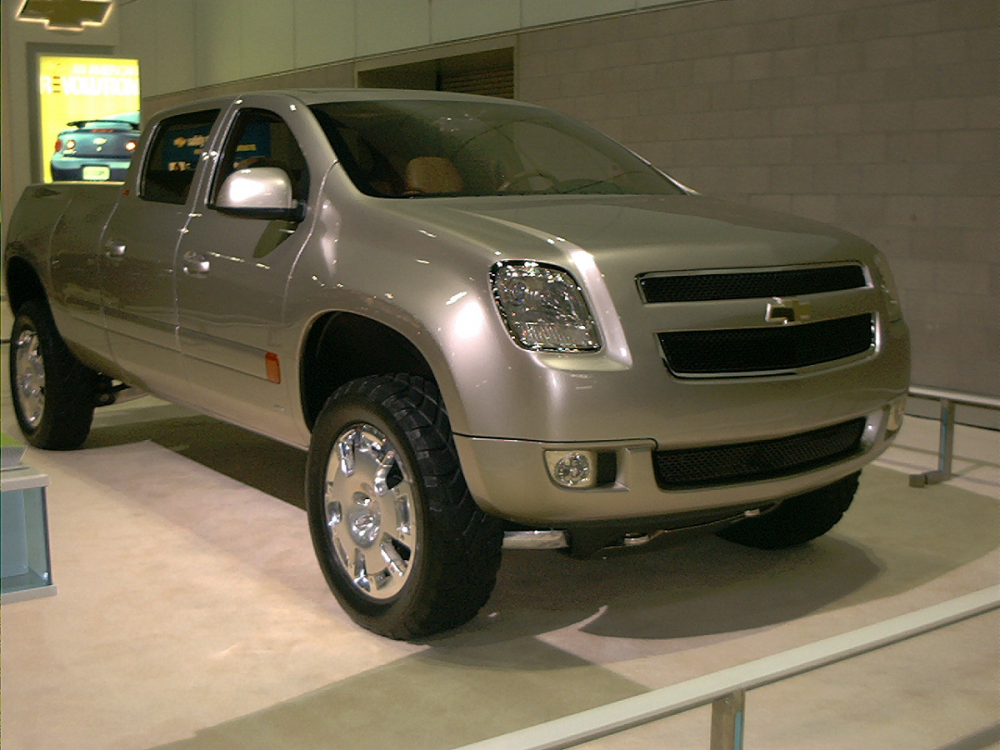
(23, 283)
(344, 346)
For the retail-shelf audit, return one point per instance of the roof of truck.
(308, 97)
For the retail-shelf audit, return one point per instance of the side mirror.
(259, 193)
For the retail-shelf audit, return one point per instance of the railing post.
(947, 441)
(946, 449)
(727, 721)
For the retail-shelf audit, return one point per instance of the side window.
(173, 156)
(260, 138)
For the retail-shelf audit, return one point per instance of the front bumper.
(510, 479)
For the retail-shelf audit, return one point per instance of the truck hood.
(670, 232)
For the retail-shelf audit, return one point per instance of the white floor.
(191, 615)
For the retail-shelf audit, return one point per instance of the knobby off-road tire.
(54, 393)
(798, 519)
(401, 542)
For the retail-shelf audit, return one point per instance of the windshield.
(412, 148)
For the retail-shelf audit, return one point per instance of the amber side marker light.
(273, 367)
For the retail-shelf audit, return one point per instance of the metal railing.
(726, 690)
(946, 445)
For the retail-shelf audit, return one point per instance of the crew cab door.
(233, 266)
(138, 280)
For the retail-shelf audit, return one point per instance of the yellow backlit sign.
(81, 88)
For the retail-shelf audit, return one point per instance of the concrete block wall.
(188, 44)
(879, 116)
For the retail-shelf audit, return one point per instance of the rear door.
(139, 247)
(232, 272)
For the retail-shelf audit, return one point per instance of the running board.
(560, 539)
(548, 539)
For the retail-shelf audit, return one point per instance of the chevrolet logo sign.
(787, 310)
(71, 15)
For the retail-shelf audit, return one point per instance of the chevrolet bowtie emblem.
(785, 310)
(65, 14)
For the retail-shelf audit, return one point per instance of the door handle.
(114, 248)
(196, 264)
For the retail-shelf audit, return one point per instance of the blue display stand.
(25, 565)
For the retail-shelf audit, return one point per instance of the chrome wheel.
(29, 377)
(400, 541)
(370, 511)
(53, 393)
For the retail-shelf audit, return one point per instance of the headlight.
(888, 286)
(543, 307)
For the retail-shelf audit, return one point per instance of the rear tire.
(798, 519)
(401, 542)
(53, 392)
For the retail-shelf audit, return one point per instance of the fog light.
(897, 409)
(576, 469)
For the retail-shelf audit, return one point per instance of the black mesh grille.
(749, 285)
(750, 350)
(747, 462)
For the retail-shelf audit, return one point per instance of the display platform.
(25, 563)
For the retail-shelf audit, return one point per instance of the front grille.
(748, 462)
(762, 350)
(750, 284)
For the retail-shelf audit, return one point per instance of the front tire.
(53, 392)
(798, 519)
(401, 542)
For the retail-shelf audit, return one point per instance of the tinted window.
(173, 156)
(412, 148)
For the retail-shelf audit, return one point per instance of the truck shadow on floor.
(893, 539)
(274, 468)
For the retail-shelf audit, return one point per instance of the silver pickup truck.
(488, 324)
